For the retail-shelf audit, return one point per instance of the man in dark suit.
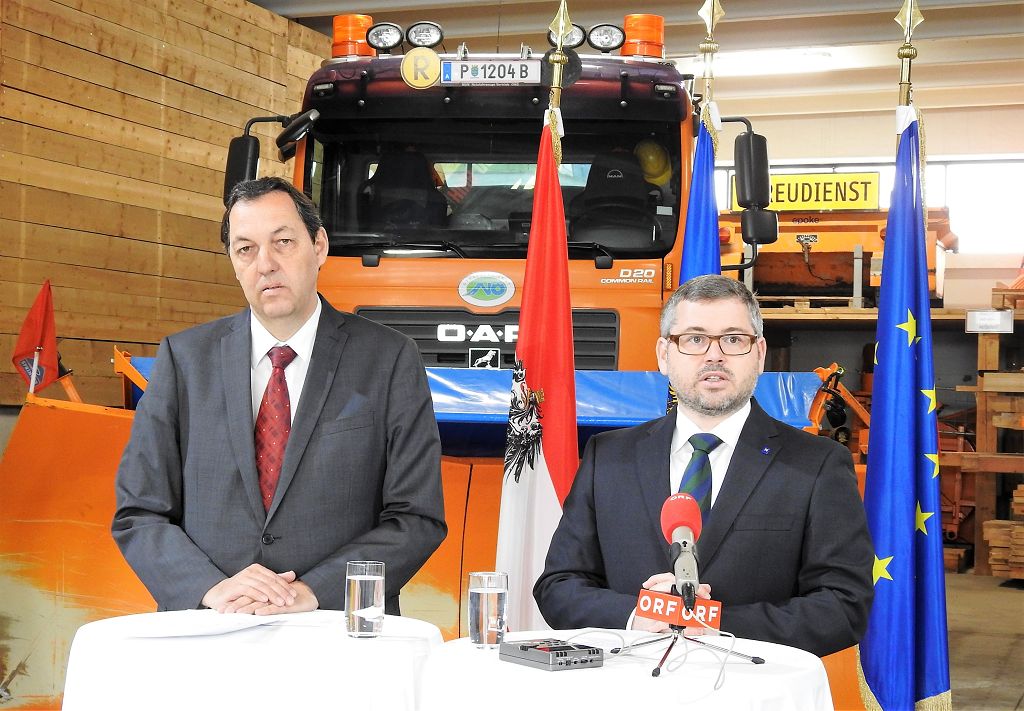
(345, 464)
(785, 545)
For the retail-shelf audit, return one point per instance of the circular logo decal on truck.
(486, 289)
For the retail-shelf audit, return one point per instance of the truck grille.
(457, 338)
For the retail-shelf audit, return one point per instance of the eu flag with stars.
(904, 655)
(701, 251)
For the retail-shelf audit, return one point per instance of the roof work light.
(606, 37)
(577, 36)
(384, 36)
(424, 34)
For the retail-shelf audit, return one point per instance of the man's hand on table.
(253, 586)
(305, 601)
(662, 582)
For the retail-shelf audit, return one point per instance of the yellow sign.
(821, 191)
(421, 68)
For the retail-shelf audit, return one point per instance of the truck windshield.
(455, 188)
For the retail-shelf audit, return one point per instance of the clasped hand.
(260, 591)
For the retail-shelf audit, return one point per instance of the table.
(202, 659)
(460, 676)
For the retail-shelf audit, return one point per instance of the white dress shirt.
(728, 430)
(295, 373)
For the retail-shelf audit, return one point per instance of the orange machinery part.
(59, 566)
(831, 257)
(645, 36)
(350, 36)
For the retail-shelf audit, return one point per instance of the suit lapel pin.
(766, 450)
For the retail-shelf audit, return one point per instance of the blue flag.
(904, 655)
(701, 251)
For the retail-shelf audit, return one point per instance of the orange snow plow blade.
(59, 566)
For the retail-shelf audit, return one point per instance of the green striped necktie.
(696, 479)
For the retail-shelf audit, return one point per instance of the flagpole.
(908, 18)
(711, 13)
(560, 27)
(702, 252)
(35, 369)
(541, 453)
(904, 653)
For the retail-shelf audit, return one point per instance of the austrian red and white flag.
(541, 453)
(36, 348)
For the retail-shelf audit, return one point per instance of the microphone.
(681, 524)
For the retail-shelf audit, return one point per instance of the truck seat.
(402, 193)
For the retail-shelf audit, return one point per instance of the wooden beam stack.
(114, 123)
(1006, 540)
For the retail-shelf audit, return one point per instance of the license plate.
(490, 72)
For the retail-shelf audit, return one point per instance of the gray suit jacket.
(786, 547)
(360, 480)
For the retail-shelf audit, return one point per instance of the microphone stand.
(677, 632)
(656, 672)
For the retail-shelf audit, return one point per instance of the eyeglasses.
(732, 344)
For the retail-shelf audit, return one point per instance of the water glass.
(364, 598)
(488, 603)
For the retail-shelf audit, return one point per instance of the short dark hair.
(252, 189)
(711, 287)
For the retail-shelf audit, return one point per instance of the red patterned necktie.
(273, 424)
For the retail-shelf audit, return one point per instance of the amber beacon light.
(645, 36)
(350, 36)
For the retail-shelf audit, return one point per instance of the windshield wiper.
(594, 246)
(395, 244)
(603, 260)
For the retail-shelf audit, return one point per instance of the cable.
(717, 652)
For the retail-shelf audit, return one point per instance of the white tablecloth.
(460, 676)
(203, 660)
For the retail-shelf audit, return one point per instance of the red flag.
(541, 454)
(545, 323)
(38, 332)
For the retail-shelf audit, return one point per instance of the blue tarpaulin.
(471, 404)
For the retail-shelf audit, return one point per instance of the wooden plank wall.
(115, 118)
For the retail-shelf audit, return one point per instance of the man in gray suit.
(785, 545)
(355, 474)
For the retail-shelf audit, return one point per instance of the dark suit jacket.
(786, 547)
(360, 481)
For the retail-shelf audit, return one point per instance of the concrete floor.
(985, 617)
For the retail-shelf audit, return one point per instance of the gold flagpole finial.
(711, 13)
(560, 27)
(908, 18)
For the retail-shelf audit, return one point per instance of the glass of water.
(488, 603)
(364, 598)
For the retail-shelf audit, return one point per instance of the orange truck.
(422, 166)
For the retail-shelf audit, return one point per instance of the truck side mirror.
(753, 184)
(759, 226)
(244, 151)
(243, 160)
(753, 191)
(295, 129)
